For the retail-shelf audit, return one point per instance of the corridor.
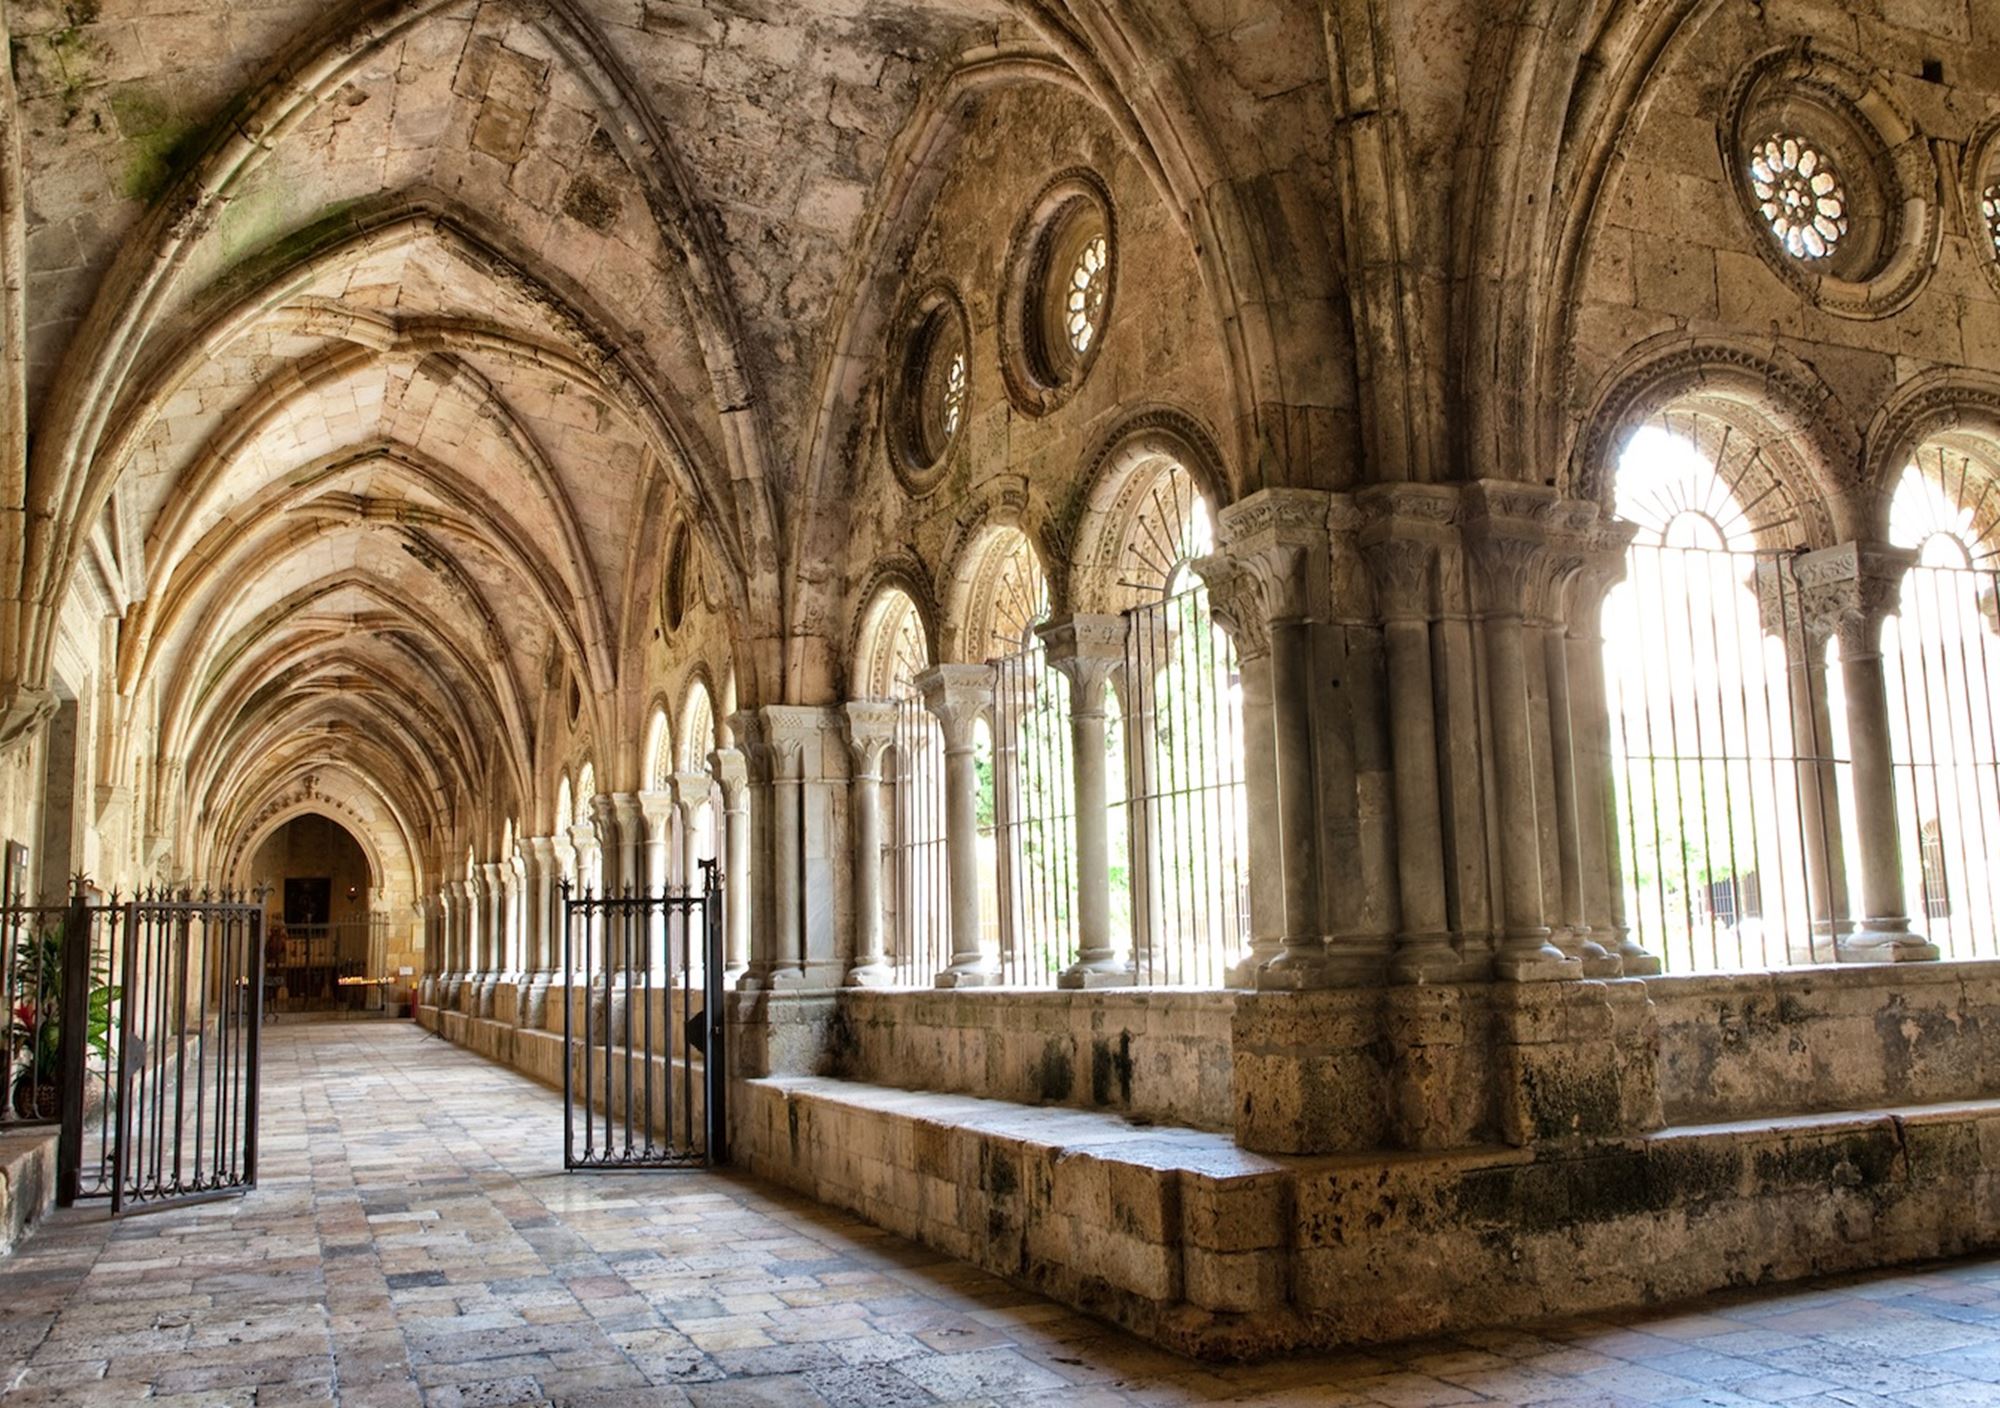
(412, 1242)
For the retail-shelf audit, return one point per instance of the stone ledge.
(1214, 1251)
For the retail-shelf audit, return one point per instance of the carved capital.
(1404, 529)
(1236, 599)
(1849, 591)
(871, 728)
(1090, 651)
(959, 695)
(691, 789)
(732, 774)
(1283, 536)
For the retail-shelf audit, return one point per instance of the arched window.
(894, 651)
(659, 752)
(697, 728)
(1186, 824)
(1027, 779)
(1725, 756)
(1941, 667)
(586, 789)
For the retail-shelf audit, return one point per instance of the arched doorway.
(324, 950)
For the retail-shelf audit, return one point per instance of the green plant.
(34, 1030)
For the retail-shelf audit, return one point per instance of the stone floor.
(412, 1243)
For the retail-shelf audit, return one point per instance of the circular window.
(931, 399)
(1840, 186)
(1799, 195)
(1057, 299)
(1979, 194)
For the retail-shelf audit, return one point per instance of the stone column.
(691, 791)
(538, 854)
(628, 819)
(959, 695)
(1090, 651)
(785, 748)
(871, 728)
(1402, 548)
(472, 941)
(1509, 548)
(493, 882)
(732, 776)
(1858, 585)
(1596, 796)
(657, 809)
(1237, 604)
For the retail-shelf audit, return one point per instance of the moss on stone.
(159, 144)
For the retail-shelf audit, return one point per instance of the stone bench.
(1189, 1240)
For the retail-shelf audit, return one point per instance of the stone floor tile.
(413, 1245)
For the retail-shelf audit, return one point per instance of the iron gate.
(642, 1029)
(133, 1025)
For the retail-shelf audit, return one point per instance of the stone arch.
(1955, 406)
(900, 574)
(1788, 414)
(697, 697)
(658, 762)
(978, 581)
(1115, 479)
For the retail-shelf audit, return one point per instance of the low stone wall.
(27, 1182)
(1158, 1056)
(1838, 1038)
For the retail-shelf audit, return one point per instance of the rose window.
(1085, 303)
(1799, 195)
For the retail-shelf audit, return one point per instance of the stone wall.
(1160, 1056)
(1742, 1045)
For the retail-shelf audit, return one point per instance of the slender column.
(693, 790)
(657, 810)
(732, 776)
(1859, 585)
(1509, 551)
(493, 880)
(1403, 557)
(1237, 605)
(787, 753)
(1090, 651)
(544, 928)
(871, 728)
(959, 695)
(1805, 625)
(1596, 798)
(628, 822)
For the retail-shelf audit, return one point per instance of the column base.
(1518, 963)
(968, 976)
(1101, 973)
(489, 988)
(1884, 941)
(1429, 958)
(875, 974)
(1243, 974)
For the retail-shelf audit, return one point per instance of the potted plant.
(34, 1032)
